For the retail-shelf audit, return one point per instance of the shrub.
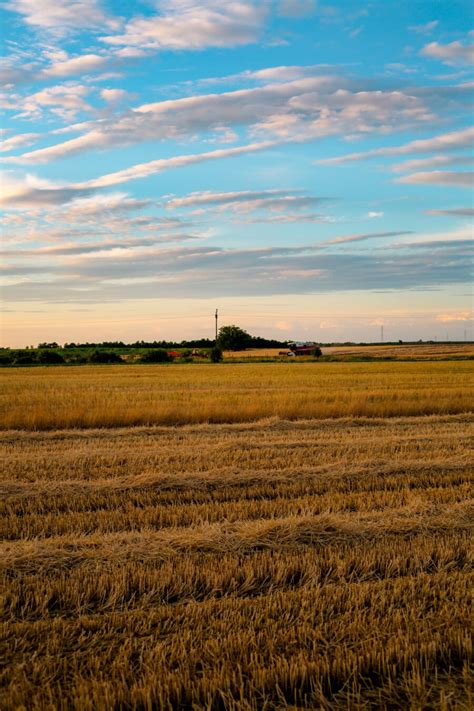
(316, 352)
(156, 356)
(48, 357)
(216, 355)
(104, 357)
(24, 358)
(6, 358)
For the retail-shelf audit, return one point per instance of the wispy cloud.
(425, 29)
(439, 177)
(18, 141)
(277, 206)
(453, 212)
(143, 170)
(363, 237)
(454, 140)
(433, 162)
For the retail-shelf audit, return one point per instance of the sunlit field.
(110, 396)
(303, 538)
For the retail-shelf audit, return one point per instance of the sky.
(305, 167)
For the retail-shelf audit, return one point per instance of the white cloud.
(64, 100)
(438, 177)
(453, 53)
(76, 65)
(372, 214)
(22, 139)
(114, 96)
(187, 24)
(62, 14)
(454, 140)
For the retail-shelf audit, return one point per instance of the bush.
(156, 356)
(49, 357)
(104, 357)
(216, 355)
(6, 358)
(316, 352)
(25, 358)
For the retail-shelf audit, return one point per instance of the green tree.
(233, 338)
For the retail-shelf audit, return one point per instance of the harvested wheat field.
(319, 562)
(129, 395)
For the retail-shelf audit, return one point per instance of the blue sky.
(306, 167)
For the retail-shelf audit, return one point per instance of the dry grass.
(113, 396)
(322, 564)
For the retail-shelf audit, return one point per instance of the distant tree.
(48, 345)
(104, 357)
(316, 352)
(49, 357)
(233, 338)
(156, 356)
(24, 357)
(216, 354)
(6, 358)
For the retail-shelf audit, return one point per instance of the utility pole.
(216, 325)
(381, 333)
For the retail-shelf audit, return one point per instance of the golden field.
(320, 558)
(130, 395)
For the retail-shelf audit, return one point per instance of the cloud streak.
(452, 141)
(439, 177)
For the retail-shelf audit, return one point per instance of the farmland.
(111, 396)
(237, 536)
